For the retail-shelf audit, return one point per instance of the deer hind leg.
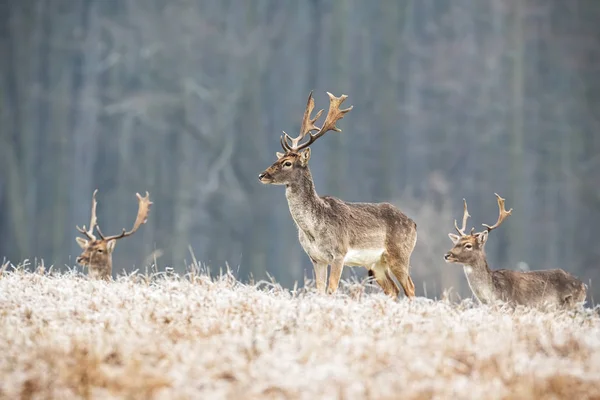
(405, 280)
(397, 257)
(371, 274)
(400, 270)
(381, 274)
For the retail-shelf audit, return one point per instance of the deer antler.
(144, 204)
(93, 221)
(334, 114)
(308, 123)
(466, 216)
(501, 216)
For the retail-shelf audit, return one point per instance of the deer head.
(97, 251)
(469, 248)
(291, 164)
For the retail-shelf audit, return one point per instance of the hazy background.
(187, 99)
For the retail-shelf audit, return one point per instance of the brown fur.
(97, 256)
(329, 228)
(554, 286)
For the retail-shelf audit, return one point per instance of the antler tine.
(100, 232)
(308, 124)
(334, 114)
(284, 143)
(144, 204)
(466, 216)
(85, 232)
(502, 214)
(93, 220)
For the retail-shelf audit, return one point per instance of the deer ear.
(482, 237)
(81, 242)
(110, 246)
(304, 157)
(454, 238)
(279, 155)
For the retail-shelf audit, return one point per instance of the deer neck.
(480, 280)
(303, 201)
(102, 270)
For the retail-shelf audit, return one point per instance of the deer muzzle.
(81, 260)
(264, 177)
(449, 257)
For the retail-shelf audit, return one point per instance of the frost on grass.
(64, 336)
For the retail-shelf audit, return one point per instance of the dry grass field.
(63, 336)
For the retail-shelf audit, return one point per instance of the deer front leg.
(337, 267)
(320, 275)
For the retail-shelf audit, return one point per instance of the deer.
(553, 287)
(97, 251)
(377, 236)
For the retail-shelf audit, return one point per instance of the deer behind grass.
(97, 252)
(335, 232)
(553, 286)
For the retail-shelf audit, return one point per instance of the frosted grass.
(64, 336)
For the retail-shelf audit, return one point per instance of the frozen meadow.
(192, 337)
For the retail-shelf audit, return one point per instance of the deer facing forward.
(335, 232)
(97, 251)
(553, 286)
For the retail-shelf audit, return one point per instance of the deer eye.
(468, 246)
(100, 251)
(287, 164)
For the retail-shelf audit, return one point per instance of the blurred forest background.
(187, 99)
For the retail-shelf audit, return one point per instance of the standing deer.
(335, 232)
(97, 252)
(553, 286)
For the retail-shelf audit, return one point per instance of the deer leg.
(400, 270)
(411, 284)
(337, 266)
(399, 266)
(381, 274)
(405, 281)
(371, 275)
(320, 275)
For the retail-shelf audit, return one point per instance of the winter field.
(171, 337)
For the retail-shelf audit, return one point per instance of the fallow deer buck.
(553, 286)
(334, 232)
(97, 252)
